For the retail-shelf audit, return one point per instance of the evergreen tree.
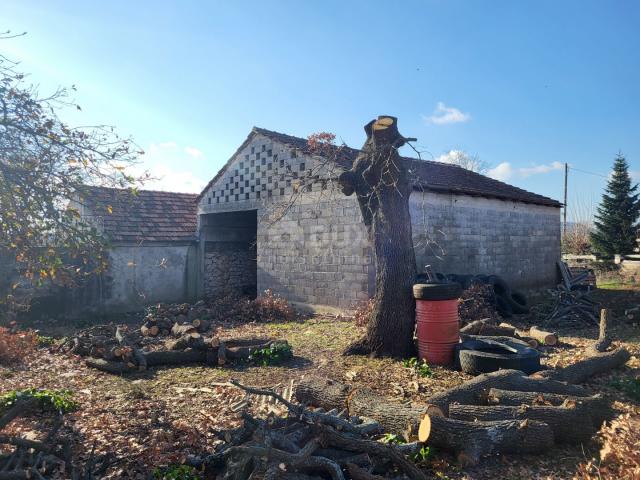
(615, 225)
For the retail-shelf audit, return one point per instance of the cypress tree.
(615, 224)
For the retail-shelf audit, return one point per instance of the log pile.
(307, 444)
(27, 458)
(116, 350)
(499, 412)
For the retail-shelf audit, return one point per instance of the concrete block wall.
(473, 235)
(318, 251)
(317, 254)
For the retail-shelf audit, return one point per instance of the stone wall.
(471, 235)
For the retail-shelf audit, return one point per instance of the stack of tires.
(507, 300)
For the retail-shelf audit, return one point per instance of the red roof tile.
(148, 215)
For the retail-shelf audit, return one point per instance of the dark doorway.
(230, 257)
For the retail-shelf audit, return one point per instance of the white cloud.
(502, 172)
(168, 167)
(193, 151)
(444, 115)
(505, 171)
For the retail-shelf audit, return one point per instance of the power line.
(587, 172)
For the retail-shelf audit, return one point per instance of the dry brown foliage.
(15, 346)
(363, 312)
(620, 452)
(577, 239)
(234, 308)
(477, 302)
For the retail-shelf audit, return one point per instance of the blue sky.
(525, 86)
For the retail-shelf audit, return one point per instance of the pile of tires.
(507, 300)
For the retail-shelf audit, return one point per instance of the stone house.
(261, 225)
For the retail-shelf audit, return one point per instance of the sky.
(525, 86)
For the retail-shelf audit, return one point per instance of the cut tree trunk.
(471, 440)
(323, 392)
(595, 363)
(185, 357)
(382, 184)
(110, 366)
(570, 422)
(475, 390)
(599, 407)
(180, 330)
(543, 337)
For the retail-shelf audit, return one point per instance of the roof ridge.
(171, 192)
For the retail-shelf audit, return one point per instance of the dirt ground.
(158, 417)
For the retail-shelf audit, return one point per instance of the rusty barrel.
(437, 322)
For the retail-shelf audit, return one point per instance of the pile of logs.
(500, 412)
(44, 458)
(488, 327)
(116, 350)
(308, 444)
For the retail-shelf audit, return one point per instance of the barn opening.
(230, 256)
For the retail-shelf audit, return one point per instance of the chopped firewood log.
(201, 325)
(109, 366)
(570, 422)
(189, 340)
(598, 407)
(393, 417)
(472, 440)
(181, 357)
(487, 328)
(149, 330)
(544, 337)
(179, 330)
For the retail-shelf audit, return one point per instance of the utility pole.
(566, 175)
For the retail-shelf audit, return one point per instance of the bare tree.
(44, 165)
(465, 160)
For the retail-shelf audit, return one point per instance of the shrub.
(14, 346)
(176, 472)
(274, 354)
(420, 367)
(363, 313)
(57, 400)
(273, 308)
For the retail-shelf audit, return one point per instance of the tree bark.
(382, 184)
(471, 440)
(570, 423)
(595, 363)
(597, 406)
(475, 390)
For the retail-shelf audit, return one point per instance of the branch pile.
(116, 350)
(499, 412)
(45, 457)
(477, 301)
(308, 444)
(572, 307)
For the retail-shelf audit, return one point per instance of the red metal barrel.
(437, 330)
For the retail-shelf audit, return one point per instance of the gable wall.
(318, 252)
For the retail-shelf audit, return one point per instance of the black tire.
(436, 291)
(500, 286)
(503, 306)
(480, 279)
(485, 356)
(518, 302)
